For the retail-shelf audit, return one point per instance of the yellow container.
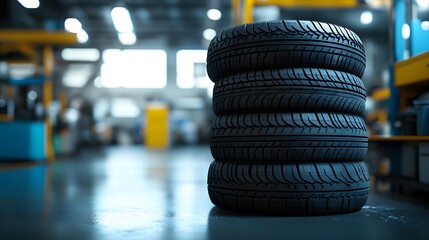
(156, 126)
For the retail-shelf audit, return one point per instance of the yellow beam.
(38, 37)
(412, 71)
(309, 3)
(28, 51)
(62, 98)
(249, 5)
(48, 90)
(236, 11)
(243, 9)
(48, 61)
(381, 94)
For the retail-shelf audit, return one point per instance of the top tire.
(285, 44)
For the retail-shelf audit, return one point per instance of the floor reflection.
(135, 193)
(156, 194)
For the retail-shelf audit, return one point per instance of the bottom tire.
(289, 189)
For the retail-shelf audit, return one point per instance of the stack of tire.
(289, 137)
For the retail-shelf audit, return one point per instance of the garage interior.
(106, 110)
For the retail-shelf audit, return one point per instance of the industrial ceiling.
(176, 22)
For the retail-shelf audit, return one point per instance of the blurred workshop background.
(105, 109)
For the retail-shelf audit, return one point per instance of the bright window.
(124, 108)
(76, 75)
(134, 69)
(191, 69)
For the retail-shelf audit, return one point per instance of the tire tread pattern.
(288, 90)
(322, 188)
(289, 137)
(285, 44)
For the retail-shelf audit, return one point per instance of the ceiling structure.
(173, 22)
(163, 22)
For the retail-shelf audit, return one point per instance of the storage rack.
(34, 45)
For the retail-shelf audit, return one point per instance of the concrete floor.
(133, 193)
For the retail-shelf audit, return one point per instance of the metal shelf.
(405, 182)
(398, 138)
(27, 81)
(413, 71)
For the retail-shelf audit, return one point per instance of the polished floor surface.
(135, 193)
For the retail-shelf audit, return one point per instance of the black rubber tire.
(289, 90)
(289, 137)
(307, 188)
(285, 44)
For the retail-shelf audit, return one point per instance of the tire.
(307, 188)
(289, 90)
(289, 137)
(285, 44)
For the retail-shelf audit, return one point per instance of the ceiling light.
(128, 38)
(424, 4)
(121, 19)
(72, 25)
(82, 36)
(366, 17)
(214, 14)
(406, 31)
(29, 3)
(80, 54)
(424, 25)
(209, 34)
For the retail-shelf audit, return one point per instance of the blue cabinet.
(22, 140)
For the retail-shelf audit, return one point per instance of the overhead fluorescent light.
(128, 38)
(80, 54)
(366, 17)
(122, 20)
(209, 34)
(214, 14)
(29, 3)
(424, 4)
(72, 25)
(424, 25)
(406, 31)
(82, 36)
